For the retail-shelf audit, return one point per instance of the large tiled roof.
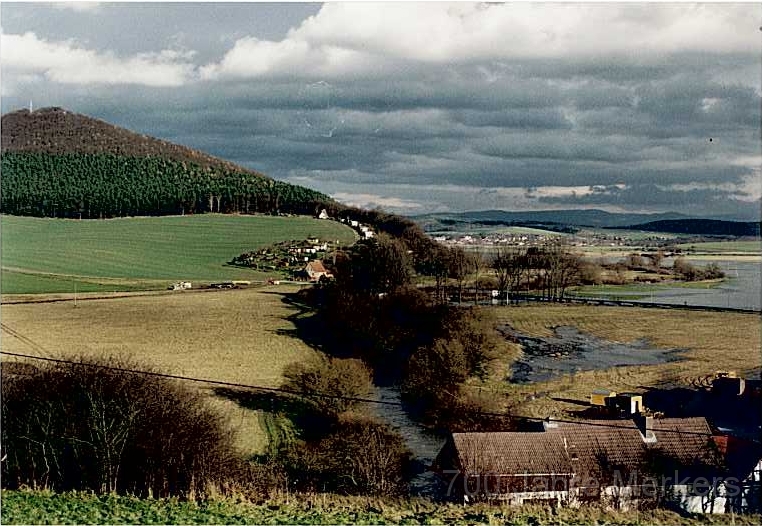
(511, 453)
(590, 449)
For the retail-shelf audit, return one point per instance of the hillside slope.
(56, 131)
(56, 163)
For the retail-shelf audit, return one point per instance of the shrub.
(81, 426)
(330, 376)
(357, 456)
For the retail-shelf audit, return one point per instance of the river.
(423, 444)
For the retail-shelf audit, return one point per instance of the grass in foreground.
(28, 507)
(713, 341)
(241, 336)
(45, 255)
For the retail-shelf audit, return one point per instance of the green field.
(52, 255)
(28, 507)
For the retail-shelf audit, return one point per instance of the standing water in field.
(570, 351)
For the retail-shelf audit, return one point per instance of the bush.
(332, 377)
(80, 426)
(358, 456)
(690, 272)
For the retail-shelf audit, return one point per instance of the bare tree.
(511, 267)
(478, 263)
(460, 266)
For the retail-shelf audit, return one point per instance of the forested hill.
(708, 227)
(57, 131)
(57, 163)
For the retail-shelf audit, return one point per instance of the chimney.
(646, 427)
(549, 424)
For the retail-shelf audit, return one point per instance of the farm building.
(621, 463)
(315, 270)
(598, 396)
(625, 404)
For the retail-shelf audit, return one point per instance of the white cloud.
(69, 63)
(370, 38)
(79, 7)
(374, 201)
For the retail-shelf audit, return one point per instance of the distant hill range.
(573, 220)
(702, 227)
(57, 163)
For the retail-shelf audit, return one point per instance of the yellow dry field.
(714, 341)
(241, 336)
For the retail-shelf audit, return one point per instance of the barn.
(621, 463)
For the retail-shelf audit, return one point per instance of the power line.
(28, 341)
(202, 380)
(326, 395)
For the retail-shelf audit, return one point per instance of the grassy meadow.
(38, 507)
(55, 255)
(713, 341)
(240, 336)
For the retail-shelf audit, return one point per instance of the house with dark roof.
(622, 463)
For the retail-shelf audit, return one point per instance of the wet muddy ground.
(570, 351)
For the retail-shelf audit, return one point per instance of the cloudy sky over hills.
(427, 106)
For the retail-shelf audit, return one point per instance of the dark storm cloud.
(483, 127)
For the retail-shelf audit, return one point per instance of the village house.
(621, 463)
(315, 270)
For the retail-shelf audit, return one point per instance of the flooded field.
(570, 351)
(741, 289)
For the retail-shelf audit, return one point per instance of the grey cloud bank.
(425, 107)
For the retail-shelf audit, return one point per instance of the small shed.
(728, 386)
(627, 403)
(598, 396)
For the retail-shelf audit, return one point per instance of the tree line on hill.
(86, 186)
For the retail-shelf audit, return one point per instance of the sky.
(424, 107)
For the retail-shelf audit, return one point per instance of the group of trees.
(88, 186)
(372, 311)
(85, 425)
(549, 270)
(690, 272)
(339, 448)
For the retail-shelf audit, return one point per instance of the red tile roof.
(316, 266)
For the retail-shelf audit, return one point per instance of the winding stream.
(424, 444)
